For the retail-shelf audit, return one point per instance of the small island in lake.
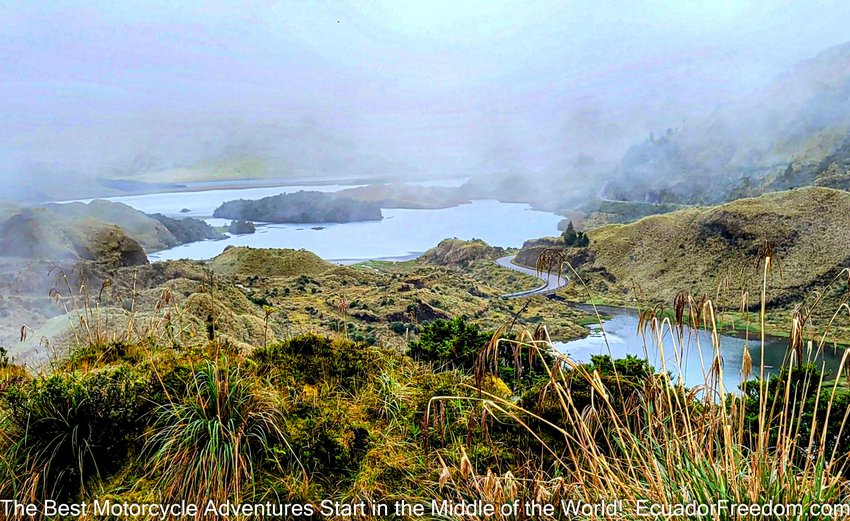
(241, 227)
(301, 207)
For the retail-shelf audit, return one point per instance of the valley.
(357, 260)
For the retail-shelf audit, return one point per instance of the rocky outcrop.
(241, 227)
(455, 252)
(420, 311)
(110, 246)
(532, 249)
(188, 229)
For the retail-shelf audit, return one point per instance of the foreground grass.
(147, 415)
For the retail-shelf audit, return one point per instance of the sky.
(407, 87)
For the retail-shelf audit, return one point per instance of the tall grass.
(360, 418)
(103, 317)
(781, 440)
(208, 445)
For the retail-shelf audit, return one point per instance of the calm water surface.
(401, 234)
(696, 352)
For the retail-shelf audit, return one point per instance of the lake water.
(624, 339)
(202, 203)
(401, 234)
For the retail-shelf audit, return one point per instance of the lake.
(401, 234)
(624, 339)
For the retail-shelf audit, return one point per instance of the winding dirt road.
(551, 283)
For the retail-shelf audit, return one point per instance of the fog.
(409, 89)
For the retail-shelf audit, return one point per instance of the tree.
(572, 238)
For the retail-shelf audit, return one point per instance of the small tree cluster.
(572, 238)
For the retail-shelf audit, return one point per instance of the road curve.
(551, 283)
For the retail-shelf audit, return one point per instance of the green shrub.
(327, 439)
(452, 343)
(399, 328)
(819, 408)
(69, 428)
(623, 380)
(574, 239)
(103, 354)
(456, 344)
(259, 300)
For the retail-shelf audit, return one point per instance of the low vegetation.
(167, 408)
(271, 375)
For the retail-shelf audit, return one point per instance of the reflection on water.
(695, 352)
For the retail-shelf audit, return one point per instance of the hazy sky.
(403, 86)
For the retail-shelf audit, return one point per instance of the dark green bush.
(69, 428)
(452, 343)
(574, 239)
(456, 344)
(326, 439)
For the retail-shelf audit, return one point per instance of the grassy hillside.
(59, 232)
(37, 233)
(716, 249)
(719, 252)
(198, 393)
(150, 233)
(477, 259)
(260, 292)
(600, 213)
(268, 262)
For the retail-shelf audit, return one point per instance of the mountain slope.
(775, 139)
(70, 230)
(716, 250)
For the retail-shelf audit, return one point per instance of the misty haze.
(273, 256)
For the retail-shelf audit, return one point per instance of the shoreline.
(723, 326)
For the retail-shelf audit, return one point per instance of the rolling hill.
(716, 251)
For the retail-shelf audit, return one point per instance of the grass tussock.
(606, 431)
(204, 446)
(150, 409)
